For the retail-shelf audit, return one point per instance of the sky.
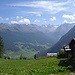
(41, 12)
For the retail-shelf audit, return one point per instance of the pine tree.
(1, 47)
(35, 56)
(21, 57)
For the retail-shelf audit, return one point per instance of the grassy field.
(41, 66)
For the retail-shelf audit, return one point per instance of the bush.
(35, 56)
(21, 57)
(61, 54)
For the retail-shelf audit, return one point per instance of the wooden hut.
(72, 47)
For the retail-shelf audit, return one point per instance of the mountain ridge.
(23, 38)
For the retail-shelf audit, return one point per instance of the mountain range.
(31, 39)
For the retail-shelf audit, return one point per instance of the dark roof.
(73, 39)
(66, 47)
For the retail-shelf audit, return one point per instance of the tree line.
(1, 47)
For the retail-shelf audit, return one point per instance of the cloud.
(39, 14)
(1, 18)
(20, 20)
(53, 18)
(35, 13)
(32, 12)
(65, 21)
(7, 19)
(74, 15)
(36, 21)
(21, 17)
(24, 21)
(48, 6)
(14, 22)
(72, 22)
(17, 17)
(71, 17)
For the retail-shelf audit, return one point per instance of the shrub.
(61, 54)
(21, 57)
(35, 56)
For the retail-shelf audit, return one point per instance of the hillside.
(42, 66)
(60, 31)
(20, 42)
(63, 41)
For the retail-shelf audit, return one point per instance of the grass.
(41, 66)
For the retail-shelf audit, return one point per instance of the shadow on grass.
(68, 63)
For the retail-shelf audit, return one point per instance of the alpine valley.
(28, 40)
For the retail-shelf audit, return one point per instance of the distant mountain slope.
(51, 31)
(63, 41)
(60, 31)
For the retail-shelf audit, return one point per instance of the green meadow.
(40, 66)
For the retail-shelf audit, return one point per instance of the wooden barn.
(70, 49)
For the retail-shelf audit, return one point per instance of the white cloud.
(7, 19)
(1, 18)
(20, 21)
(71, 17)
(74, 15)
(13, 22)
(44, 20)
(32, 12)
(72, 22)
(17, 17)
(53, 18)
(21, 17)
(36, 21)
(65, 21)
(25, 21)
(48, 6)
(38, 14)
